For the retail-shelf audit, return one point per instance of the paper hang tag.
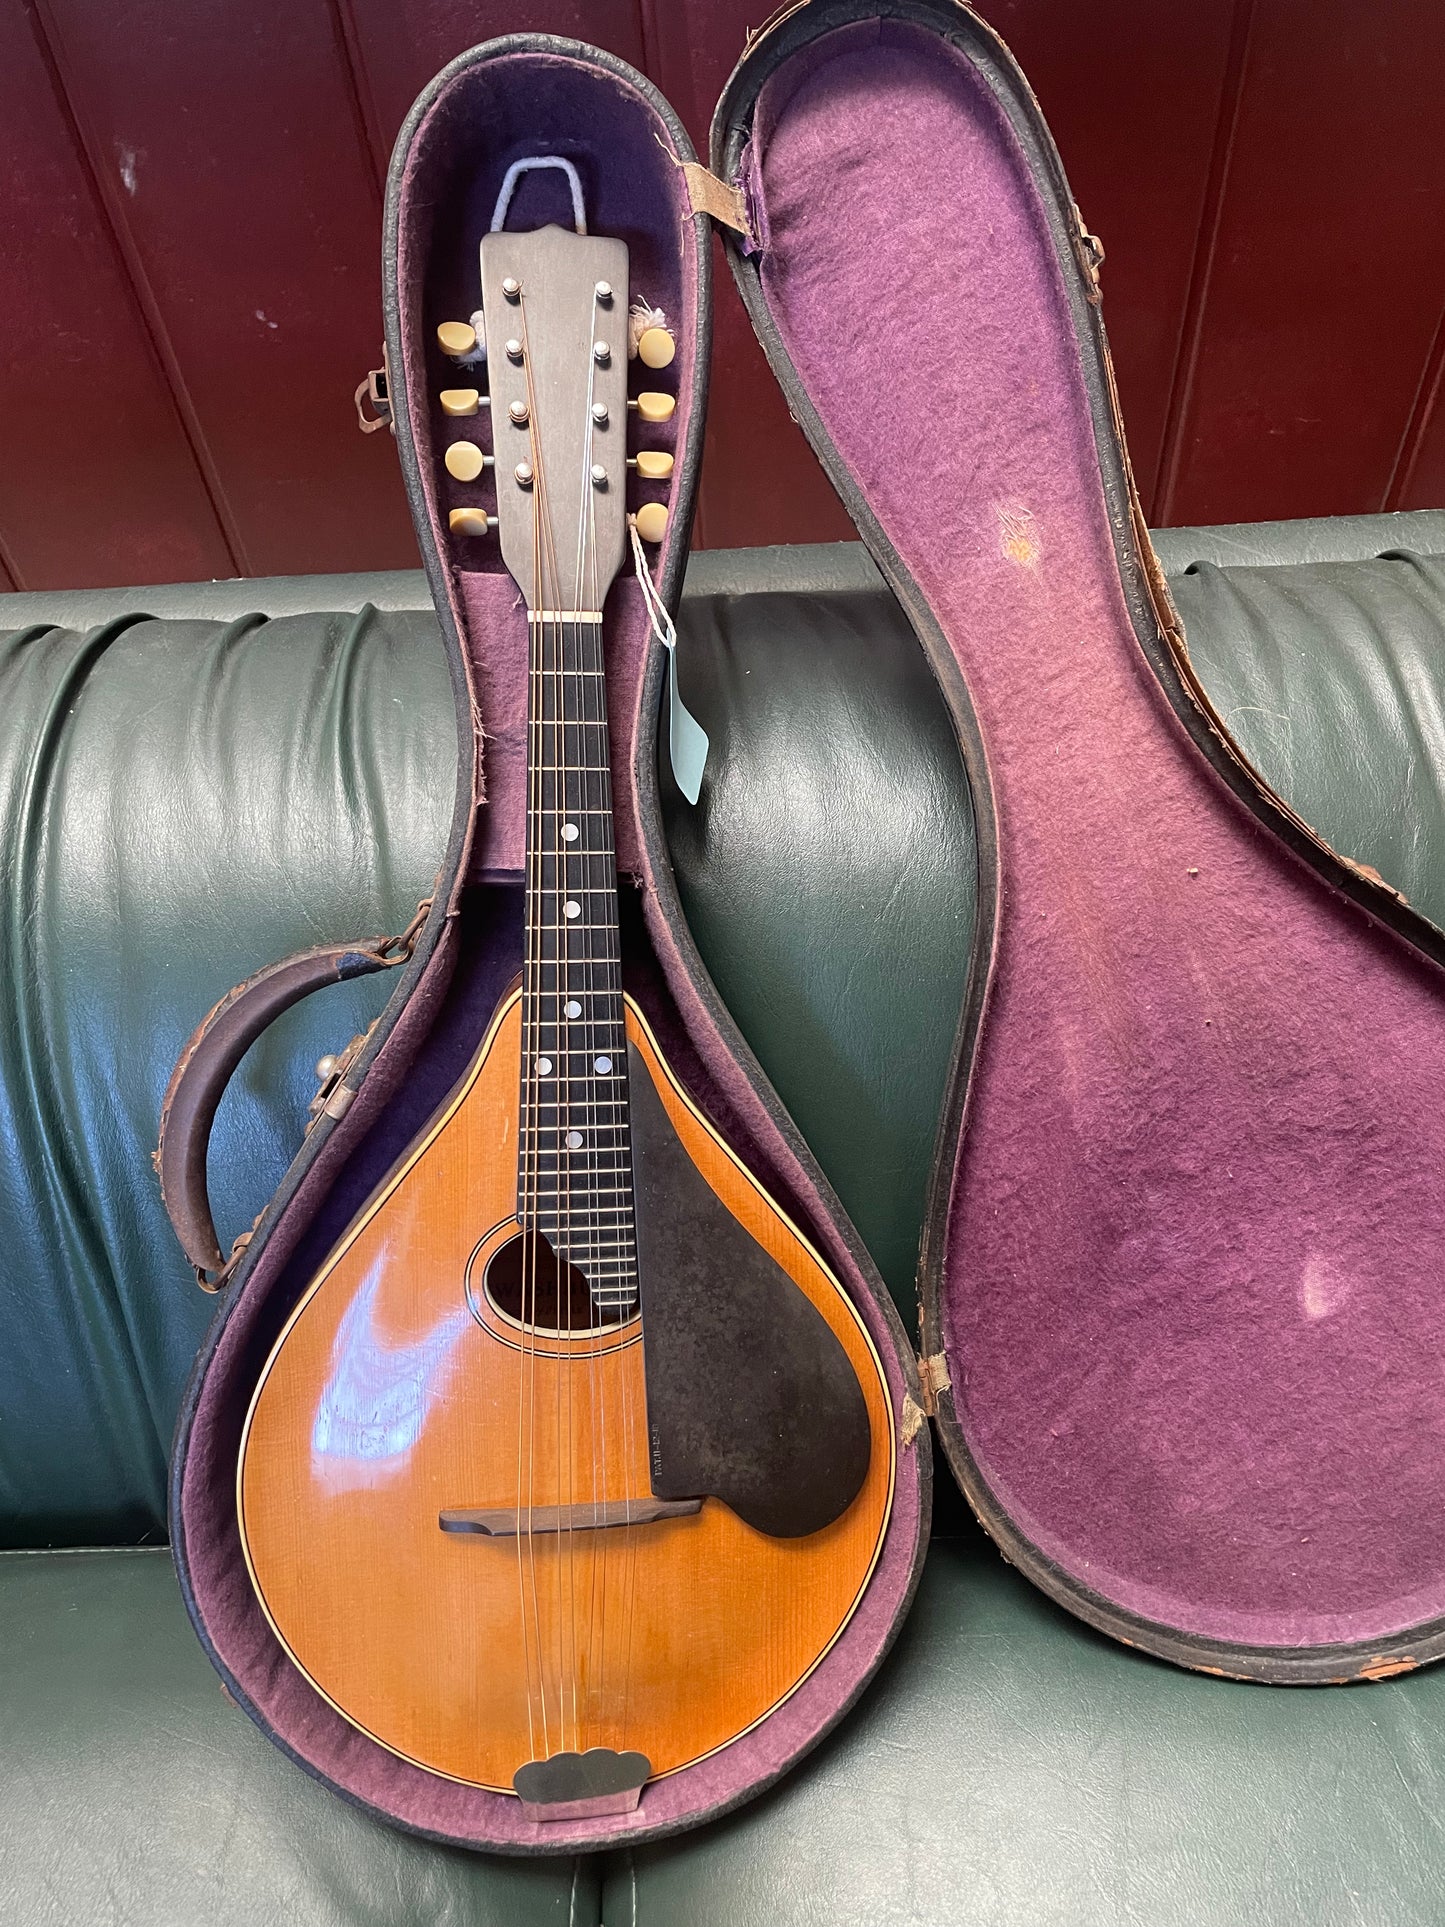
(687, 739)
(686, 736)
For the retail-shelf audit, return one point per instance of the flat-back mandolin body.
(406, 1394)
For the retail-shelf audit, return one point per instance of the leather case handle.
(209, 1060)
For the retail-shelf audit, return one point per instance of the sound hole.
(526, 1281)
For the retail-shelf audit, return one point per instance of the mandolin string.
(523, 1209)
(531, 1157)
(529, 1126)
(620, 1242)
(555, 756)
(553, 627)
(600, 1243)
(586, 577)
(629, 1439)
(563, 981)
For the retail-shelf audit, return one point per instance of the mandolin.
(574, 1460)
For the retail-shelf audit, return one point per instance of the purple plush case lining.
(1185, 1250)
(523, 95)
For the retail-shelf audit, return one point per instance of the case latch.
(334, 1096)
(374, 392)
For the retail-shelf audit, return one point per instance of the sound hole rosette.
(494, 1304)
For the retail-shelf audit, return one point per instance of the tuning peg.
(654, 407)
(652, 464)
(651, 520)
(655, 347)
(462, 401)
(465, 461)
(457, 338)
(469, 521)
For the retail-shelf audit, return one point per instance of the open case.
(1179, 1277)
(1179, 1281)
(522, 97)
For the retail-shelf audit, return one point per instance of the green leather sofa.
(187, 798)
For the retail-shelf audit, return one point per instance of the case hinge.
(1091, 254)
(933, 1378)
(706, 194)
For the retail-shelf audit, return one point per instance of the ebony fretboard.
(574, 1175)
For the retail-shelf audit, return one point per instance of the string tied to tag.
(687, 738)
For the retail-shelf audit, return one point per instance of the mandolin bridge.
(503, 1522)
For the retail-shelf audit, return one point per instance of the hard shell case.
(522, 96)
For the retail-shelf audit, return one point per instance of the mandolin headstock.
(559, 466)
(555, 305)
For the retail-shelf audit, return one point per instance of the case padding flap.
(1185, 1249)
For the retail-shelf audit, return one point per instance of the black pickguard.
(750, 1397)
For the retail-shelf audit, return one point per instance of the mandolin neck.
(575, 1153)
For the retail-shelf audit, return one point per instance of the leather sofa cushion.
(1332, 677)
(188, 799)
(133, 1793)
(1012, 1768)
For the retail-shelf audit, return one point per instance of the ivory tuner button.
(653, 407)
(469, 522)
(655, 347)
(460, 401)
(457, 337)
(652, 464)
(465, 461)
(652, 521)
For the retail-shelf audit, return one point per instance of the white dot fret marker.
(572, 1008)
(544, 1067)
(571, 908)
(602, 1065)
(569, 832)
(574, 1140)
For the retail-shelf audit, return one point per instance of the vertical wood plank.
(98, 484)
(401, 46)
(1329, 270)
(1132, 94)
(226, 147)
(1419, 478)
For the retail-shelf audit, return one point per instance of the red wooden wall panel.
(399, 47)
(227, 148)
(1420, 475)
(1325, 274)
(1133, 96)
(190, 270)
(97, 480)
